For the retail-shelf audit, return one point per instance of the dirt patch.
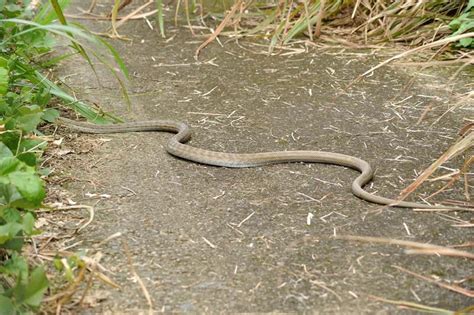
(210, 239)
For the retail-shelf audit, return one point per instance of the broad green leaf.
(4, 151)
(44, 171)
(9, 164)
(36, 287)
(10, 139)
(29, 158)
(28, 223)
(13, 8)
(467, 26)
(8, 231)
(16, 266)
(462, 23)
(29, 185)
(7, 192)
(15, 244)
(42, 98)
(32, 144)
(11, 215)
(50, 115)
(6, 306)
(466, 42)
(470, 5)
(29, 122)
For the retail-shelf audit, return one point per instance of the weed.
(22, 108)
(463, 24)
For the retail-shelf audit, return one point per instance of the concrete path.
(207, 239)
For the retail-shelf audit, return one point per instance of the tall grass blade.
(116, 56)
(59, 11)
(36, 78)
(46, 14)
(54, 61)
(160, 17)
(77, 46)
(115, 10)
(67, 31)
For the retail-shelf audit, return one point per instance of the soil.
(208, 239)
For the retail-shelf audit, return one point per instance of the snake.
(178, 147)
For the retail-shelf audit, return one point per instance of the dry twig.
(137, 277)
(219, 29)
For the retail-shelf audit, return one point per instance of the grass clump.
(348, 22)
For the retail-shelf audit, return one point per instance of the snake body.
(177, 146)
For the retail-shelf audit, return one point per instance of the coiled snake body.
(176, 146)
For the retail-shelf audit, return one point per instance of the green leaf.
(470, 5)
(11, 197)
(58, 264)
(13, 8)
(3, 60)
(36, 287)
(50, 115)
(3, 81)
(32, 144)
(463, 27)
(28, 223)
(14, 244)
(466, 42)
(29, 185)
(29, 158)
(11, 215)
(16, 266)
(4, 151)
(28, 122)
(11, 140)
(8, 165)
(9, 231)
(6, 306)
(42, 98)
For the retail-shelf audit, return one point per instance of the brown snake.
(176, 146)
